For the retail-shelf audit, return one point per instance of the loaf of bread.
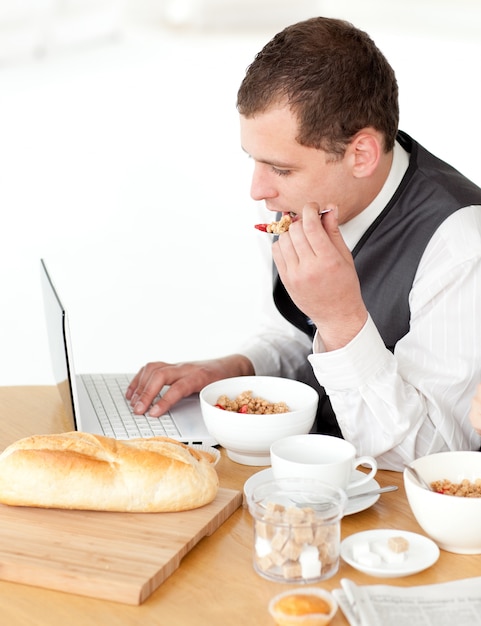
(81, 471)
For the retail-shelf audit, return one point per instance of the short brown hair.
(332, 76)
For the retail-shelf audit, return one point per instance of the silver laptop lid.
(60, 350)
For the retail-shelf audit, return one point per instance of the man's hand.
(317, 269)
(183, 380)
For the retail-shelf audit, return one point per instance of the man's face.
(287, 175)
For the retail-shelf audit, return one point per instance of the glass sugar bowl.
(297, 529)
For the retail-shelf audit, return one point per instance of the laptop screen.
(56, 319)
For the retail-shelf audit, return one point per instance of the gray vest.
(430, 191)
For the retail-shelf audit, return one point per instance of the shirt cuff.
(354, 364)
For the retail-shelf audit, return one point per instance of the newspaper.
(455, 603)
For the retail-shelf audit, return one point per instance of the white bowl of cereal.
(275, 408)
(452, 521)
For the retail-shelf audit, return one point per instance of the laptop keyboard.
(107, 393)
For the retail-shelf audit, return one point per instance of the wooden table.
(215, 583)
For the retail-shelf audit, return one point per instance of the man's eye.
(281, 172)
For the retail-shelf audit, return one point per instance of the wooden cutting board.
(113, 556)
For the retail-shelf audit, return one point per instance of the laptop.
(96, 403)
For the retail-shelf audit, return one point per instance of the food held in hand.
(276, 228)
(82, 471)
(246, 403)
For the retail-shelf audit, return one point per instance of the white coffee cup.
(327, 458)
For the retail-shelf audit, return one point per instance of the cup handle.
(364, 460)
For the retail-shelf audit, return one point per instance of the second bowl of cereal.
(246, 414)
(451, 513)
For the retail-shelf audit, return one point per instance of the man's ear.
(366, 150)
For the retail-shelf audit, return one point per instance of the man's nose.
(262, 186)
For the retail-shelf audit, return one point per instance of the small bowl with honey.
(309, 606)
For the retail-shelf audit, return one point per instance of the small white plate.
(206, 448)
(355, 506)
(422, 553)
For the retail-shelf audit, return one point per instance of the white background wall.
(120, 165)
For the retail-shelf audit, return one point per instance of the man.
(475, 411)
(383, 291)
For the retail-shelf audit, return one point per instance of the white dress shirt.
(416, 401)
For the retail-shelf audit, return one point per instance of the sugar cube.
(310, 563)
(359, 548)
(398, 544)
(262, 547)
(386, 554)
(369, 559)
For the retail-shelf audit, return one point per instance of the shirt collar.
(353, 230)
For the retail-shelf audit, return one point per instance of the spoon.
(419, 478)
(319, 506)
(372, 492)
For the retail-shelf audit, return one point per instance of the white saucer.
(206, 448)
(422, 553)
(355, 506)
